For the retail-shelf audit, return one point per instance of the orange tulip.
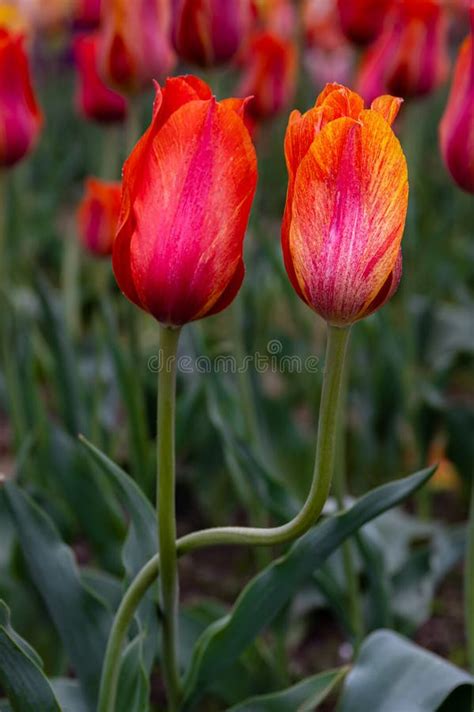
(96, 101)
(346, 204)
(98, 215)
(457, 124)
(362, 20)
(209, 32)
(188, 186)
(135, 46)
(410, 57)
(269, 74)
(20, 116)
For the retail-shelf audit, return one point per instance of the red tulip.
(209, 32)
(134, 44)
(20, 116)
(95, 99)
(269, 74)
(410, 57)
(87, 15)
(362, 20)
(98, 215)
(188, 186)
(457, 124)
(346, 205)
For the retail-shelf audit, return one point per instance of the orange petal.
(388, 106)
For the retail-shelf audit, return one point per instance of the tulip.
(209, 32)
(362, 20)
(98, 215)
(188, 186)
(277, 16)
(134, 43)
(346, 205)
(87, 14)
(269, 74)
(410, 57)
(328, 55)
(457, 124)
(20, 116)
(96, 101)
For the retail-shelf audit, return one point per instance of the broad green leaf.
(393, 674)
(302, 697)
(141, 542)
(69, 694)
(80, 617)
(21, 676)
(270, 590)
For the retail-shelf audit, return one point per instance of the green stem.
(323, 470)
(133, 125)
(3, 228)
(70, 283)
(469, 584)
(165, 510)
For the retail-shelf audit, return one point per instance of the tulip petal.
(187, 236)
(387, 106)
(349, 208)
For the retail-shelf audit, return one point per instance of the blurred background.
(76, 357)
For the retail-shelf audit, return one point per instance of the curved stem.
(165, 511)
(323, 469)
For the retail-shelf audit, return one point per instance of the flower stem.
(323, 470)
(469, 584)
(165, 511)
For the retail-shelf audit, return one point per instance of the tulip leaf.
(393, 674)
(80, 617)
(134, 687)
(141, 542)
(305, 696)
(69, 694)
(271, 589)
(21, 675)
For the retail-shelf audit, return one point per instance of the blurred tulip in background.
(97, 215)
(457, 124)
(362, 20)
(20, 115)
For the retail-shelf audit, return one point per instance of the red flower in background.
(188, 186)
(134, 43)
(20, 115)
(87, 14)
(362, 20)
(457, 124)
(98, 215)
(210, 32)
(94, 98)
(329, 57)
(410, 57)
(269, 74)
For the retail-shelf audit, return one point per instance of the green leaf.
(270, 590)
(393, 674)
(21, 676)
(303, 697)
(69, 694)
(81, 618)
(134, 687)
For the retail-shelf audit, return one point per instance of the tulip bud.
(362, 20)
(20, 116)
(410, 56)
(95, 100)
(346, 205)
(87, 14)
(269, 74)
(457, 124)
(188, 186)
(98, 214)
(209, 33)
(134, 44)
